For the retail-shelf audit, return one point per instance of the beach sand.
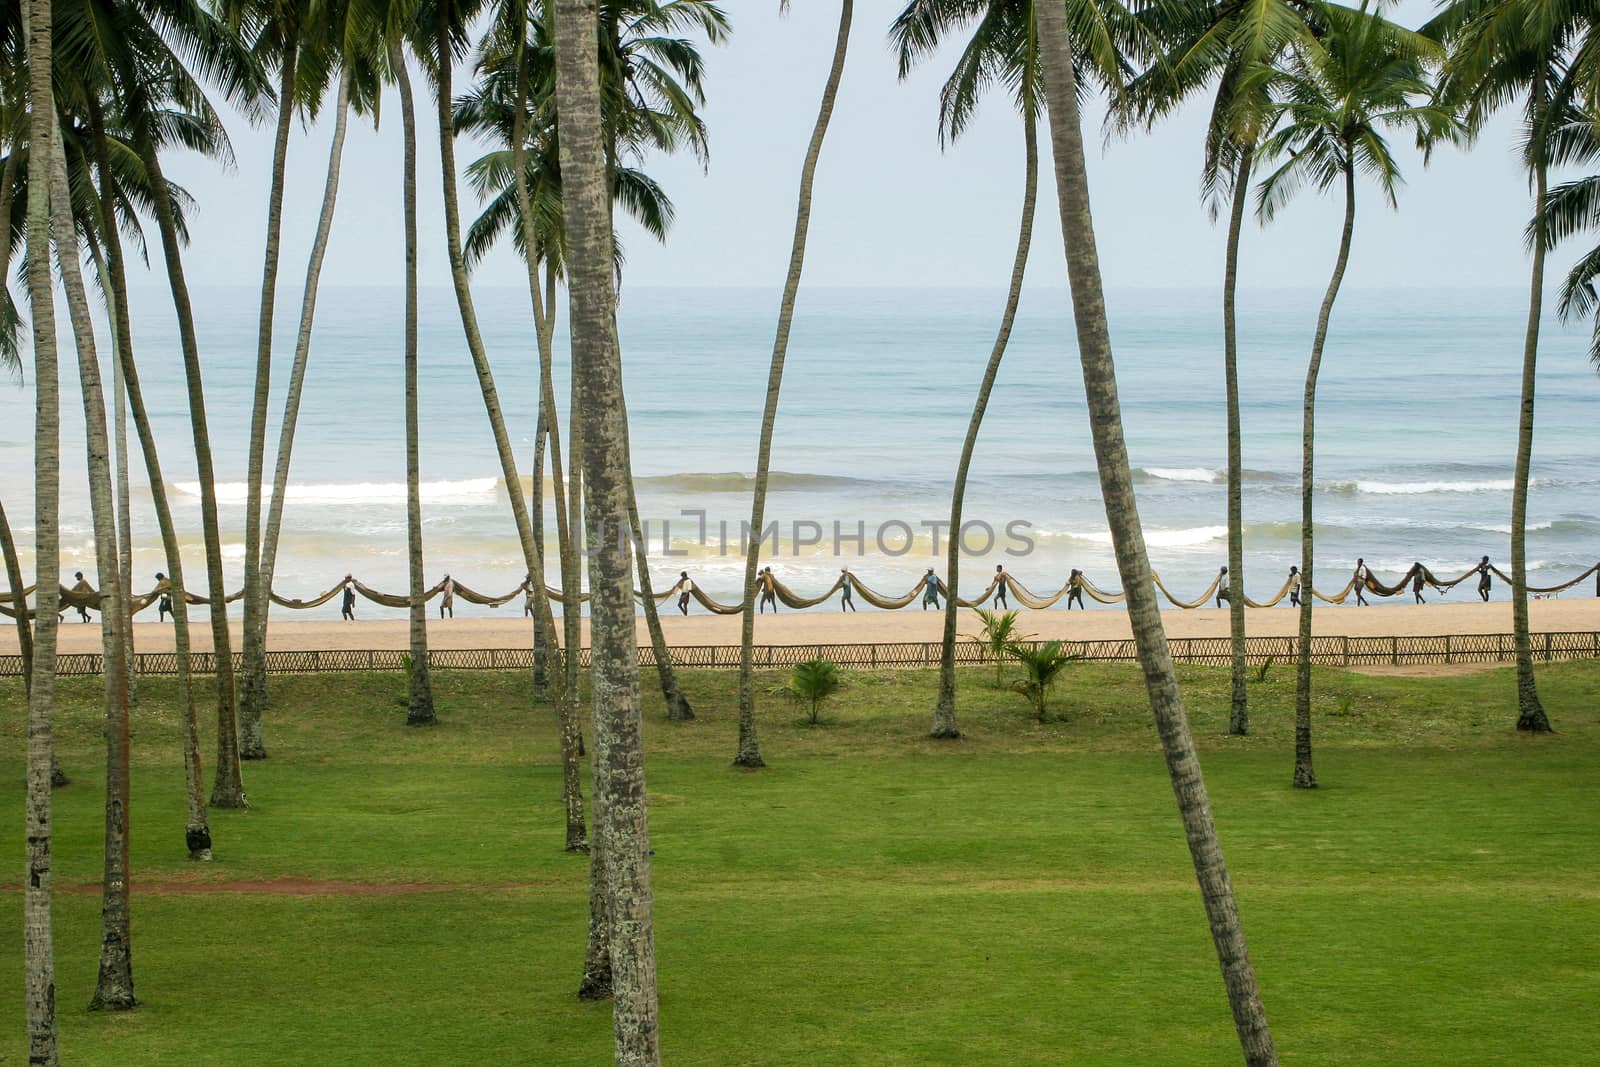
(825, 627)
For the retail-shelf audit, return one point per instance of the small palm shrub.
(1041, 666)
(812, 682)
(999, 633)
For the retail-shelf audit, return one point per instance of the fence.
(1332, 651)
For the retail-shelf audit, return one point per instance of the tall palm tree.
(622, 829)
(1500, 51)
(298, 40)
(1122, 515)
(38, 946)
(1570, 210)
(1003, 48)
(1231, 50)
(1337, 96)
(440, 28)
(749, 753)
(114, 987)
(197, 830)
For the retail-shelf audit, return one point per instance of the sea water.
(1416, 436)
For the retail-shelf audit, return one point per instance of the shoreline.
(880, 627)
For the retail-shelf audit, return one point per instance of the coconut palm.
(622, 830)
(813, 681)
(302, 43)
(1570, 209)
(1500, 52)
(1000, 632)
(1041, 665)
(1122, 515)
(1229, 50)
(749, 752)
(1003, 49)
(38, 947)
(1337, 97)
(438, 31)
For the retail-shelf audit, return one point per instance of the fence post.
(1346, 662)
(875, 652)
(1447, 658)
(1547, 648)
(1394, 651)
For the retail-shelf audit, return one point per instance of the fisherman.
(930, 590)
(83, 588)
(1485, 580)
(685, 587)
(347, 606)
(769, 590)
(1075, 589)
(1417, 580)
(1294, 587)
(1001, 581)
(447, 602)
(1361, 581)
(845, 603)
(1222, 587)
(163, 605)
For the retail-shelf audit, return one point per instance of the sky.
(891, 208)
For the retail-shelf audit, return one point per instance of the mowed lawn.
(1024, 896)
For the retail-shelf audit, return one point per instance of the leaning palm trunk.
(944, 714)
(420, 710)
(114, 987)
(119, 393)
(622, 827)
(1305, 776)
(253, 665)
(8, 548)
(297, 378)
(491, 398)
(1530, 712)
(749, 754)
(39, 966)
(1122, 515)
(565, 691)
(1239, 710)
(197, 831)
(227, 788)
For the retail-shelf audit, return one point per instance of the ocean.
(1417, 416)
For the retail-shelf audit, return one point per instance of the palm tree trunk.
(197, 832)
(8, 548)
(1530, 712)
(491, 398)
(227, 787)
(119, 393)
(420, 710)
(565, 691)
(619, 750)
(253, 665)
(944, 715)
(1239, 710)
(114, 987)
(749, 754)
(39, 968)
(1305, 776)
(297, 374)
(1122, 515)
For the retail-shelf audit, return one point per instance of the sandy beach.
(823, 627)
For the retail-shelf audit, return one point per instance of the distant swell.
(739, 482)
(470, 490)
(1199, 475)
(1180, 538)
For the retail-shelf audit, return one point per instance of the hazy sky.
(891, 209)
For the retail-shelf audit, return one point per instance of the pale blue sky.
(890, 208)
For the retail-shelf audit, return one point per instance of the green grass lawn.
(1022, 896)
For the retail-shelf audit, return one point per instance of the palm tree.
(440, 28)
(1338, 95)
(813, 681)
(1500, 50)
(1570, 209)
(1122, 515)
(38, 947)
(197, 831)
(999, 633)
(1041, 665)
(301, 41)
(749, 753)
(1003, 48)
(1230, 49)
(114, 987)
(623, 832)
(419, 710)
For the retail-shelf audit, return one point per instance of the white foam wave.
(1184, 474)
(1491, 485)
(467, 490)
(1180, 538)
